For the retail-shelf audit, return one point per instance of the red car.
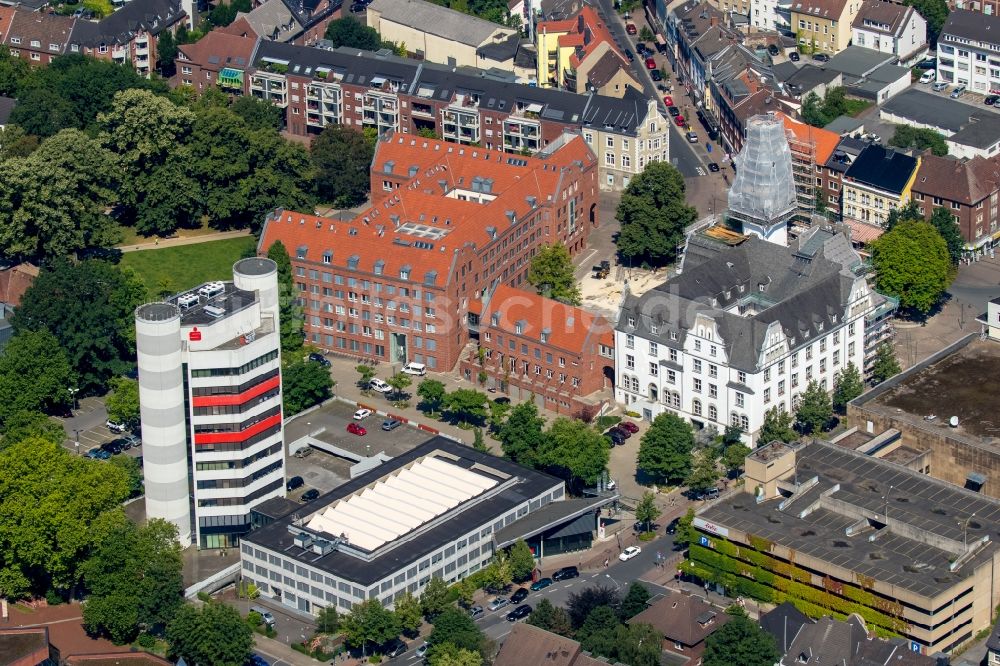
(650, 63)
(631, 427)
(630, 28)
(679, 120)
(668, 100)
(356, 429)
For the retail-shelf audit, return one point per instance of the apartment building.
(743, 328)
(968, 49)
(837, 531)
(359, 89)
(890, 28)
(569, 50)
(811, 148)
(36, 36)
(210, 402)
(877, 181)
(824, 25)
(218, 59)
(447, 222)
(301, 22)
(987, 7)
(532, 347)
(129, 35)
(968, 189)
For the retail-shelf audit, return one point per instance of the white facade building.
(890, 28)
(969, 51)
(742, 329)
(210, 402)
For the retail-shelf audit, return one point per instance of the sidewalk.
(184, 240)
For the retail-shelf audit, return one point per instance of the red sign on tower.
(194, 335)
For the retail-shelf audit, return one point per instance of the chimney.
(714, 21)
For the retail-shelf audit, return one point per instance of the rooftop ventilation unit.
(214, 311)
(303, 540)
(321, 546)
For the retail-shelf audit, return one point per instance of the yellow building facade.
(824, 26)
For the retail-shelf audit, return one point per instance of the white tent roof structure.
(401, 502)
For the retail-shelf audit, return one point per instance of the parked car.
(644, 526)
(773, 49)
(624, 432)
(710, 494)
(502, 400)
(519, 613)
(541, 584)
(673, 111)
(794, 56)
(672, 526)
(358, 7)
(394, 648)
(519, 596)
(356, 429)
(655, 75)
(97, 453)
(641, 49)
(939, 86)
(821, 57)
(628, 425)
(617, 439)
(116, 427)
(990, 100)
(362, 414)
(713, 167)
(629, 553)
(257, 660)
(422, 650)
(304, 452)
(930, 63)
(391, 424)
(629, 55)
(668, 100)
(692, 137)
(114, 447)
(958, 92)
(412, 368)
(475, 612)
(498, 603)
(316, 357)
(631, 29)
(377, 384)
(680, 121)
(310, 495)
(131, 442)
(566, 573)
(650, 63)
(294, 482)
(927, 76)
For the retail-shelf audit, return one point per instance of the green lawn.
(185, 266)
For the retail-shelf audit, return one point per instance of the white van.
(415, 369)
(928, 76)
(378, 385)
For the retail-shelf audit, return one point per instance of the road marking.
(583, 261)
(701, 172)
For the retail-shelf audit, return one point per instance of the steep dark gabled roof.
(883, 168)
(784, 623)
(152, 16)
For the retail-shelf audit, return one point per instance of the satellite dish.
(953, 422)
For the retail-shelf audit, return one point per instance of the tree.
(409, 613)
(885, 365)
(89, 308)
(740, 641)
(13, 70)
(257, 113)
(947, 225)
(581, 604)
(834, 104)
(665, 449)
(434, 598)
(574, 451)
(686, 533)
(522, 435)
(399, 383)
(133, 473)
(348, 32)
(645, 34)
(733, 434)
(639, 645)
(498, 412)
(369, 622)
(734, 456)
(911, 263)
(598, 633)
(522, 560)
(53, 202)
(304, 384)
(634, 602)
(134, 577)
(432, 394)
(466, 405)
(456, 627)
(704, 473)
(328, 621)
(15, 142)
(366, 374)
(123, 401)
(166, 52)
(448, 654)
(214, 634)
(35, 375)
(25, 425)
(653, 215)
(847, 386)
(919, 138)
(498, 575)
(289, 312)
(646, 510)
(777, 427)
(225, 13)
(341, 158)
(551, 618)
(815, 409)
(551, 274)
(466, 591)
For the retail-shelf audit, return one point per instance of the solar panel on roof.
(213, 60)
(553, 114)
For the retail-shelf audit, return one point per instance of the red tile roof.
(417, 225)
(824, 140)
(6, 17)
(14, 281)
(683, 618)
(570, 328)
(594, 31)
(863, 233)
(229, 50)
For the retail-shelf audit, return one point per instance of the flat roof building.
(434, 511)
(836, 531)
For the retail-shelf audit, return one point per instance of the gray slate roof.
(152, 16)
(803, 291)
(971, 25)
(437, 20)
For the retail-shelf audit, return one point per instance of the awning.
(863, 233)
(534, 108)
(231, 78)
(377, 80)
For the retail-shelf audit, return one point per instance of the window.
(713, 413)
(697, 366)
(696, 407)
(629, 341)
(609, 159)
(630, 361)
(767, 395)
(740, 399)
(654, 369)
(697, 386)
(741, 377)
(610, 141)
(713, 391)
(653, 349)
(713, 370)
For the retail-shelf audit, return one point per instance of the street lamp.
(617, 584)
(76, 439)
(72, 395)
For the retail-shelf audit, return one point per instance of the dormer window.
(300, 253)
(545, 335)
(519, 327)
(762, 287)
(379, 267)
(15, 40)
(631, 322)
(327, 257)
(653, 329)
(404, 273)
(495, 319)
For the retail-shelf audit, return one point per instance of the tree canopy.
(885, 365)
(213, 634)
(815, 409)
(89, 308)
(581, 604)
(369, 622)
(847, 386)
(521, 435)
(912, 263)
(304, 384)
(920, 138)
(349, 32)
(653, 216)
(551, 274)
(935, 12)
(35, 376)
(456, 627)
(575, 451)
(665, 449)
(820, 113)
(123, 401)
(551, 618)
(341, 159)
(777, 427)
(740, 641)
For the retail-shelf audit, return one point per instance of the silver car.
(499, 603)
